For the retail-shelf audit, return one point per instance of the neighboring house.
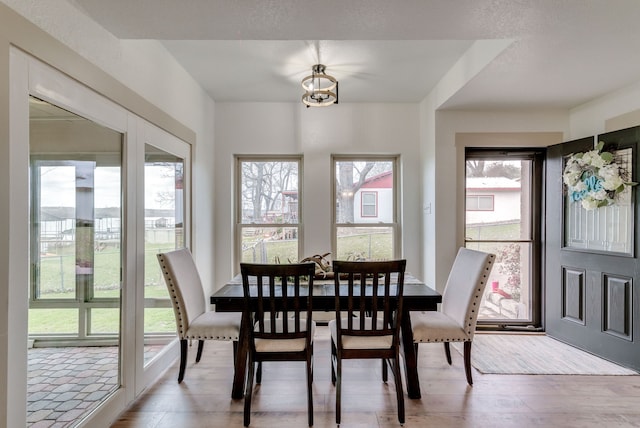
(492, 200)
(373, 202)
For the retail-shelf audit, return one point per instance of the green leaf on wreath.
(606, 156)
(600, 146)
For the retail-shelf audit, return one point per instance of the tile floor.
(66, 383)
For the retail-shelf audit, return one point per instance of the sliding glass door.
(76, 262)
(166, 182)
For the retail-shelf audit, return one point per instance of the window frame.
(237, 195)
(374, 204)
(534, 231)
(394, 225)
(478, 197)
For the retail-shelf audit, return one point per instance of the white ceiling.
(564, 52)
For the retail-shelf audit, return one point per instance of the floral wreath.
(594, 179)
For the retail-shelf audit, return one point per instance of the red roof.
(380, 181)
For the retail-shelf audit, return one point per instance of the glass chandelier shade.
(321, 89)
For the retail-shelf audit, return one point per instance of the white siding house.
(373, 202)
(492, 200)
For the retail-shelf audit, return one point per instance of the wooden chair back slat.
(279, 295)
(372, 292)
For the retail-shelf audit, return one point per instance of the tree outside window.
(268, 209)
(365, 208)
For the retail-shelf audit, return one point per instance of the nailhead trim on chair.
(174, 297)
(476, 299)
(179, 312)
(478, 295)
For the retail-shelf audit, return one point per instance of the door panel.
(590, 293)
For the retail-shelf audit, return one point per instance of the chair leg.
(235, 350)
(447, 351)
(248, 391)
(385, 375)
(415, 348)
(309, 389)
(333, 358)
(183, 359)
(199, 353)
(399, 390)
(312, 363)
(259, 373)
(467, 362)
(338, 389)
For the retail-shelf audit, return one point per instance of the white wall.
(590, 118)
(443, 155)
(316, 133)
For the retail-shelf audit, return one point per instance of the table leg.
(410, 357)
(240, 368)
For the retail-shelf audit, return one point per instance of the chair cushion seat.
(361, 342)
(432, 326)
(284, 345)
(215, 325)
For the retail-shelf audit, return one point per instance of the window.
(371, 232)
(369, 204)
(267, 209)
(479, 202)
(503, 189)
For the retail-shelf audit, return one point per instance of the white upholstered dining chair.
(193, 321)
(457, 319)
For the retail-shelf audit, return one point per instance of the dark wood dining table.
(417, 297)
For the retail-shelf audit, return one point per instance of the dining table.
(417, 296)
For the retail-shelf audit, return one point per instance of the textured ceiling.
(563, 52)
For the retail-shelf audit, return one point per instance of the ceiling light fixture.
(321, 89)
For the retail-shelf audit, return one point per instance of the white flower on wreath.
(594, 179)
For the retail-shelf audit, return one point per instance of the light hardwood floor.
(203, 398)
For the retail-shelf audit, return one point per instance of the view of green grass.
(488, 232)
(57, 276)
(375, 246)
(57, 281)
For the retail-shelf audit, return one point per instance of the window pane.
(107, 232)
(53, 321)
(163, 231)
(355, 178)
(57, 235)
(269, 192)
(104, 320)
(159, 320)
(364, 243)
(269, 244)
(507, 295)
(498, 199)
(369, 204)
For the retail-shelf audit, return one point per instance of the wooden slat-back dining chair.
(193, 321)
(368, 317)
(457, 319)
(278, 301)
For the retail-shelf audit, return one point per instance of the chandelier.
(321, 89)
